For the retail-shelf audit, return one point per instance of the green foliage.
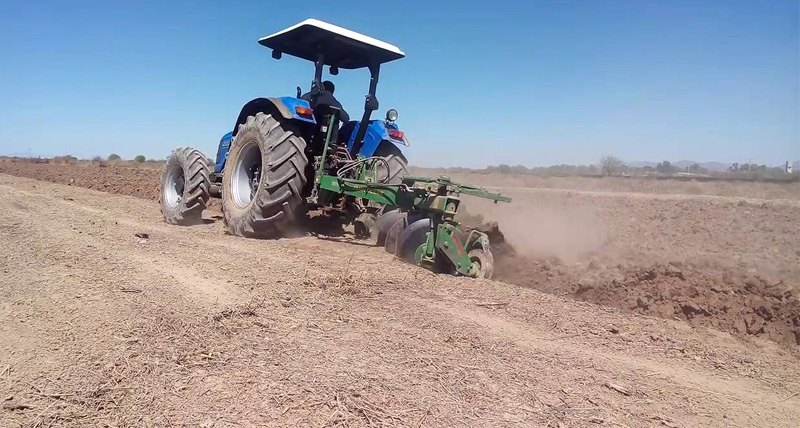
(113, 157)
(140, 158)
(97, 159)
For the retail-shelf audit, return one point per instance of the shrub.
(113, 157)
(65, 160)
(140, 158)
(610, 164)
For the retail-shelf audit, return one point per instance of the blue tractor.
(267, 168)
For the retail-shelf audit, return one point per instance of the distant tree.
(97, 159)
(694, 168)
(777, 170)
(503, 169)
(66, 159)
(113, 157)
(140, 158)
(665, 167)
(519, 169)
(648, 168)
(610, 164)
(210, 161)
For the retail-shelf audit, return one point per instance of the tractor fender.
(283, 107)
(222, 152)
(377, 132)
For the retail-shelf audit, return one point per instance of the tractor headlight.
(391, 115)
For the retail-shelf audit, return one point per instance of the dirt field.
(731, 263)
(190, 326)
(745, 189)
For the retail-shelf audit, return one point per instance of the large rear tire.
(397, 164)
(184, 186)
(264, 178)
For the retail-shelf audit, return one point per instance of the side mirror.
(276, 54)
(334, 70)
(299, 92)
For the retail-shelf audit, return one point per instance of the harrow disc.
(411, 238)
(385, 222)
(482, 263)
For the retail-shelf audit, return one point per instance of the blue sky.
(527, 82)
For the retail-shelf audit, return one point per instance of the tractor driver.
(326, 98)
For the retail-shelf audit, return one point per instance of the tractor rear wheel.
(184, 186)
(264, 178)
(395, 161)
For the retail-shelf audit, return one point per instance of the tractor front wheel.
(184, 186)
(263, 178)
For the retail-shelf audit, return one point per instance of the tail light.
(397, 135)
(304, 111)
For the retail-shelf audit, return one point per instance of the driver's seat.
(324, 101)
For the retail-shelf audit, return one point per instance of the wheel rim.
(246, 175)
(173, 188)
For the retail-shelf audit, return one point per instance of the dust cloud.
(546, 231)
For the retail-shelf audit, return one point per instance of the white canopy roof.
(339, 46)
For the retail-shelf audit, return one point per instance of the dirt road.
(189, 326)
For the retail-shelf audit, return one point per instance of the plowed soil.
(189, 326)
(728, 263)
(139, 182)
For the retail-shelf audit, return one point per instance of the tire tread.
(196, 186)
(279, 196)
